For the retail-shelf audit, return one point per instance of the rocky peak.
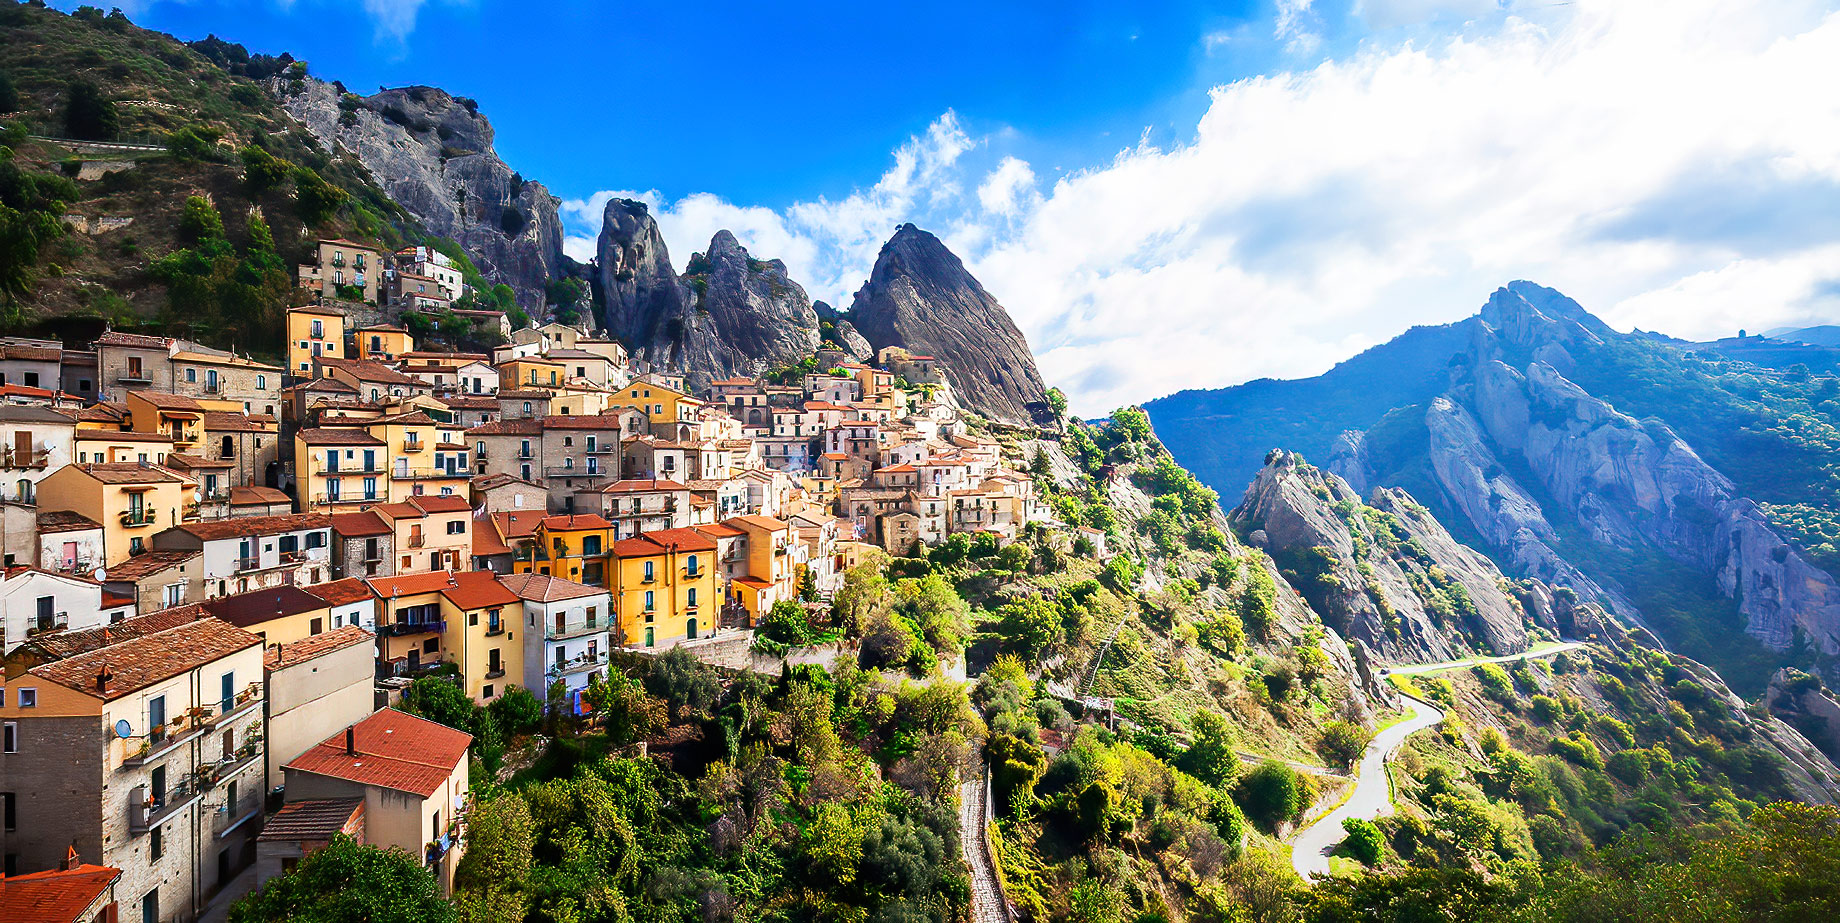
(728, 314)
(432, 152)
(921, 297)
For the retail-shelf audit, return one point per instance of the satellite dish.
(123, 728)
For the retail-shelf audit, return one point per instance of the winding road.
(987, 902)
(1372, 795)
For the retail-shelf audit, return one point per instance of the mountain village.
(238, 566)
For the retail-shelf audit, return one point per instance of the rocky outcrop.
(920, 297)
(1798, 699)
(1384, 573)
(843, 333)
(432, 153)
(729, 314)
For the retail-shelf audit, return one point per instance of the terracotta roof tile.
(396, 750)
(410, 584)
(57, 896)
(314, 821)
(71, 643)
(341, 592)
(338, 437)
(149, 563)
(643, 485)
(515, 524)
(141, 662)
(297, 652)
(245, 526)
(360, 525)
(547, 589)
(265, 605)
(129, 473)
(478, 589)
(575, 522)
(256, 496)
(65, 521)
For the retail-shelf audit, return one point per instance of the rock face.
(1384, 573)
(920, 297)
(433, 154)
(844, 333)
(730, 314)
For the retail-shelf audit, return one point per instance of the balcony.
(335, 499)
(404, 629)
(577, 664)
(147, 811)
(417, 541)
(415, 474)
(552, 633)
(412, 446)
(43, 625)
(134, 519)
(495, 674)
(32, 458)
(213, 387)
(495, 629)
(135, 377)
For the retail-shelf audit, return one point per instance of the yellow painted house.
(131, 501)
(314, 331)
(339, 469)
(383, 342)
(574, 547)
(665, 588)
(530, 372)
(661, 404)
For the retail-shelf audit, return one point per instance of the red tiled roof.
(595, 421)
(478, 589)
(257, 606)
(128, 473)
(410, 584)
(485, 537)
(315, 821)
(759, 522)
(662, 540)
(360, 525)
(337, 437)
(65, 521)
(297, 652)
(523, 426)
(57, 896)
(341, 592)
(441, 503)
(245, 526)
(257, 496)
(642, 486)
(136, 664)
(396, 750)
(148, 564)
(71, 643)
(546, 589)
(575, 522)
(518, 523)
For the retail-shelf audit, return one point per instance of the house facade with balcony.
(567, 631)
(484, 636)
(145, 755)
(570, 546)
(314, 330)
(665, 588)
(131, 501)
(412, 776)
(412, 622)
(428, 533)
(34, 441)
(251, 386)
(636, 506)
(256, 552)
(37, 602)
(339, 469)
(345, 270)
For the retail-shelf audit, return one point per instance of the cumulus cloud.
(1668, 164)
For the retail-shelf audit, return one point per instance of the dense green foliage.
(345, 882)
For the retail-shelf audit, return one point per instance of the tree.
(89, 115)
(683, 681)
(1057, 401)
(263, 171)
(1270, 794)
(30, 204)
(200, 222)
(786, 623)
(1364, 840)
(623, 707)
(348, 883)
(1211, 757)
(441, 701)
(517, 711)
(315, 199)
(499, 840)
(9, 94)
(1342, 743)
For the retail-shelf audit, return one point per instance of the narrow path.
(987, 902)
(1372, 795)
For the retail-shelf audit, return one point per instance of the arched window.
(690, 567)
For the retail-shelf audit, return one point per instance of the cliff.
(920, 297)
(432, 153)
(729, 314)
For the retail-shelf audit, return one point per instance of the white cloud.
(1010, 186)
(393, 19)
(1671, 165)
(1293, 26)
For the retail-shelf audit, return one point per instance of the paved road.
(987, 904)
(1372, 795)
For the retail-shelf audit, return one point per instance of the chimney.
(351, 741)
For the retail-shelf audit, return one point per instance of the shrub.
(89, 115)
(315, 199)
(1364, 840)
(1270, 794)
(1342, 743)
(263, 171)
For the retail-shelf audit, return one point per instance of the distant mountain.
(921, 297)
(1663, 479)
(1823, 335)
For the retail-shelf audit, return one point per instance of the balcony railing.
(146, 810)
(330, 499)
(417, 541)
(578, 664)
(495, 674)
(213, 387)
(411, 446)
(567, 631)
(495, 629)
(403, 629)
(136, 518)
(31, 458)
(352, 467)
(42, 625)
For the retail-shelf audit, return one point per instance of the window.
(315, 627)
(648, 600)
(9, 737)
(28, 697)
(690, 599)
(319, 329)
(191, 375)
(568, 440)
(488, 690)
(261, 382)
(648, 578)
(316, 539)
(456, 528)
(156, 844)
(31, 379)
(690, 565)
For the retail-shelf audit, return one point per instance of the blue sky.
(1170, 195)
